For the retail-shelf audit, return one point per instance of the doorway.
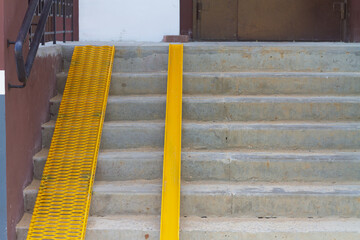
(269, 20)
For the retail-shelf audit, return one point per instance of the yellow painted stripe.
(170, 207)
(63, 202)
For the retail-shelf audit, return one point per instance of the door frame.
(186, 17)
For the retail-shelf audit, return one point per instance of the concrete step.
(235, 83)
(229, 135)
(237, 57)
(226, 108)
(326, 166)
(124, 227)
(222, 199)
(146, 58)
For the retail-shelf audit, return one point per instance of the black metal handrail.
(40, 8)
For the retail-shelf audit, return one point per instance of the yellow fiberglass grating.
(62, 205)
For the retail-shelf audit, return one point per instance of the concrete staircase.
(271, 134)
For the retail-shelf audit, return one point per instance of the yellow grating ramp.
(170, 206)
(63, 202)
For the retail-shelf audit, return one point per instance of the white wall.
(2, 82)
(128, 20)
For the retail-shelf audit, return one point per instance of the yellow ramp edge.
(63, 202)
(170, 207)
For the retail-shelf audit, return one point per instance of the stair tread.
(250, 155)
(243, 98)
(245, 125)
(213, 224)
(255, 74)
(252, 124)
(227, 98)
(221, 188)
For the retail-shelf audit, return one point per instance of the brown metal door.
(215, 19)
(270, 20)
(304, 20)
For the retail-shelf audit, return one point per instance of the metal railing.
(37, 29)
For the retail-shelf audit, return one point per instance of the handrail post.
(63, 8)
(54, 20)
(38, 33)
(72, 20)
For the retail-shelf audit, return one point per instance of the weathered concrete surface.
(271, 58)
(229, 135)
(222, 199)
(132, 58)
(116, 165)
(236, 83)
(270, 130)
(195, 228)
(61, 81)
(226, 108)
(238, 57)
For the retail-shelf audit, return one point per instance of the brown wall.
(3, 222)
(2, 37)
(354, 20)
(14, 174)
(26, 110)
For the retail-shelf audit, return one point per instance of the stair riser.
(123, 169)
(131, 59)
(225, 167)
(230, 109)
(232, 84)
(237, 58)
(271, 59)
(223, 204)
(209, 136)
